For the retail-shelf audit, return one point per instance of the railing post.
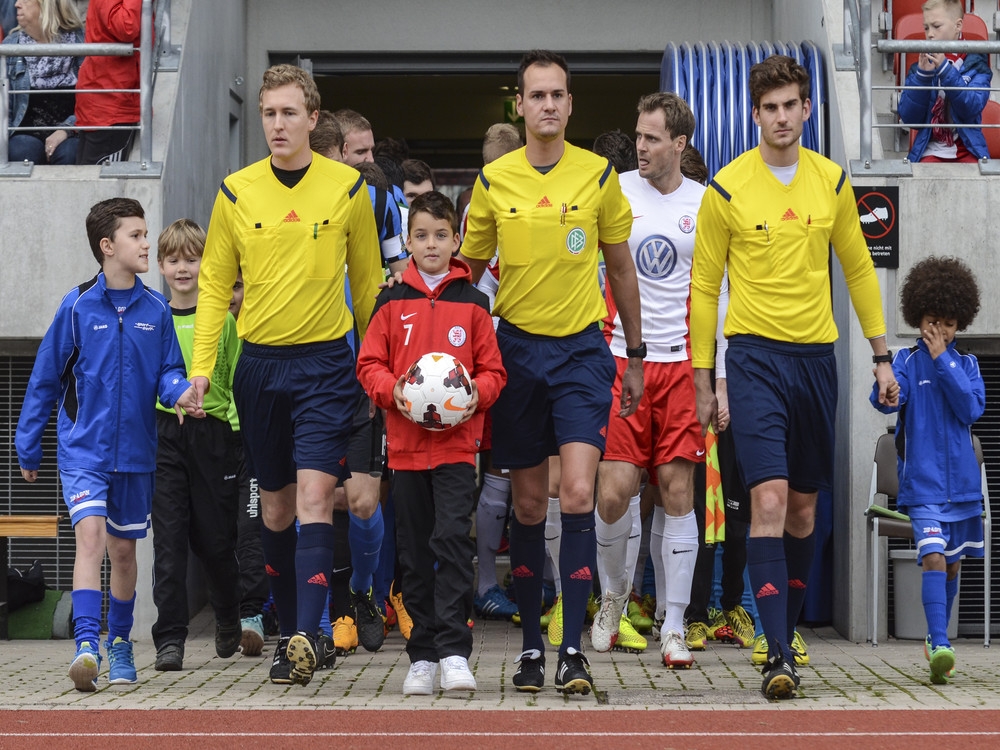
(865, 62)
(146, 85)
(4, 116)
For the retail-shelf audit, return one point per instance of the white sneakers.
(420, 679)
(604, 631)
(455, 675)
(674, 651)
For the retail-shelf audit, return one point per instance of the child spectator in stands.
(940, 394)
(417, 179)
(109, 21)
(195, 500)
(434, 478)
(43, 22)
(110, 352)
(959, 104)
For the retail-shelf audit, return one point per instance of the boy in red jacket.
(435, 309)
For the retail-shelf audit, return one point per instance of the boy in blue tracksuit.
(110, 352)
(940, 484)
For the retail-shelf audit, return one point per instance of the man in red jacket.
(435, 309)
(109, 21)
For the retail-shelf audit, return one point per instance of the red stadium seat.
(991, 115)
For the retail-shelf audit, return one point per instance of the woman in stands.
(44, 22)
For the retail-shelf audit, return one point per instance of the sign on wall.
(877, 210)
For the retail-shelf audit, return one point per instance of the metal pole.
(865, 89)
(146, 84)
(4, 104)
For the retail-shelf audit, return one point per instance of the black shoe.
(371, 626)
(169, 658)
(227, 638)
(572, 675)
(281, 668)
(326, 652)
(780, 679)
(530, 674)
(302, 656)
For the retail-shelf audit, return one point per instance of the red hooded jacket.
(409, 321)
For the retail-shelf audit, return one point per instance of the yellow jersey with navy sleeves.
(776, 240)
(292, 245)
(546, 229)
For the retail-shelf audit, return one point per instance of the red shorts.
(666, 424)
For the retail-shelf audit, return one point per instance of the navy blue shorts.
(783, 400)
(558, 391)
(296, 407)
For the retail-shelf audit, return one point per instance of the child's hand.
(400, 399)
(933, 336)
(473, 403)
(930, 61)
(30, 475)
(189, 402)
(891, 397)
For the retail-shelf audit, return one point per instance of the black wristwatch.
(879, 358)
(639, 351)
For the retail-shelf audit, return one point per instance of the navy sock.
(340, 581)
(279, 563)
(798, 560)
(527, 561)
(120, 618)
(769, 582)
(577, 563)
(366, 541)
(932, 592)
(313, 563)
(86, 617)
(950, 592)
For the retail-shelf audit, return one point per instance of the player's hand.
(400, 399)
(706, 403)
(632, 387)
(389, 283)
(473, 404)
(372, 408)
(722, 411)
(888, 388)
(189, 403)
(201, 386)
(30, 475)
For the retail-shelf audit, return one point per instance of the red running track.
(438, 728)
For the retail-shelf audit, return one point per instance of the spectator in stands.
(957, 102)
(619, 150)
(109, 21)
(43, 22)
(417, 179)
(358, 138)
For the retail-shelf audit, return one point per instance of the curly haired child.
(943, 394)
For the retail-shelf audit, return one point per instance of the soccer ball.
(437, 390)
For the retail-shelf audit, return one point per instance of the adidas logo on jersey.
(767, 590)
(544, 202)
(789, 216)
(319, 579)
(292, 216)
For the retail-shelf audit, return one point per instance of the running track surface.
(439, 728)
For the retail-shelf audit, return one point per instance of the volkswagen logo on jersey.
(576, 240)
(656, 257)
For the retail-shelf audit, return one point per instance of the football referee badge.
(576, 240)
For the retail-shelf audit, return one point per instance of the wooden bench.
(20, 526)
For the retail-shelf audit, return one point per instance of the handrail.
(145, 90)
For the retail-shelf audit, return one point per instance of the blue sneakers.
(121, 664)
(494, 605)
(84, 668)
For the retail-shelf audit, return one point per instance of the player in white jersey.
(664, 435)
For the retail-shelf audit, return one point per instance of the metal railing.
(856, 53)
(146, 167)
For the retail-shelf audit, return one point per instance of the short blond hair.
(501, 138)
(955, 8)
(282, 75)
(183, 238)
